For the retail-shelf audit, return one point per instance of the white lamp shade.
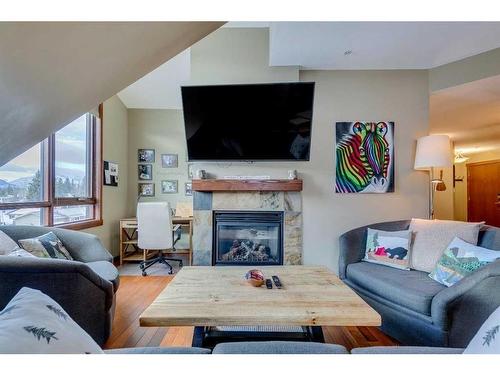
(433, 151)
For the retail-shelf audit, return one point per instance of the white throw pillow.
(33, 323)
(487, 339)
(7, 244)
(431, 237)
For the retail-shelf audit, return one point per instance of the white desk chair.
(156, 232)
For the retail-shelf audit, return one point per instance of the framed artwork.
(146, 189)
(364, 157)
(145, 172)
(190, 171)
(110, 173)
(169, 187)
(146, 155)
(169, 160)
(188, 189)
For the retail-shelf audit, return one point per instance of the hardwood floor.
(137, 292)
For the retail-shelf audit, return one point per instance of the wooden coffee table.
(311, 297)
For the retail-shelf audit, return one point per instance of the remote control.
(269, 284)
(277, 282)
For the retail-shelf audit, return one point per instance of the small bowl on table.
(255, 278)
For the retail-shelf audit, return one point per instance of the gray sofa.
(415, 309)
(85, 287)
(286, 347)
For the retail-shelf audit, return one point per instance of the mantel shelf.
(247, 185)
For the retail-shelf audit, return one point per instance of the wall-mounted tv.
(249, 122)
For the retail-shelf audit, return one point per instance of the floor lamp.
(433, 151)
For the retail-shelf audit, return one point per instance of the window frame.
(47, 171)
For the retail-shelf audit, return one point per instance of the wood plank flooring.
(137, 292)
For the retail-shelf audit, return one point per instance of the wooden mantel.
(247, 185)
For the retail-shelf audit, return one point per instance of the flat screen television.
(249, 122)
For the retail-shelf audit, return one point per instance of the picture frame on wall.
(169, 160)
(188, 189)
(145, 172)
(146, 155)
(169, 186)
(110, 170)
(146, 189)
(367, 169)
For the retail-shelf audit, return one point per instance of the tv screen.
(248, 122)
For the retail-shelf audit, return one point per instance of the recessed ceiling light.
(348, 52)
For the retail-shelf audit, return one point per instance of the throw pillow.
(21, 253)
(487, 339)
(459, 260)
(46, 246)
(432, 236)
(388, 248)
(33, 323)
(7, 244)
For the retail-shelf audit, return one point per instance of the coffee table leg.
(317, 334)
(198, 337)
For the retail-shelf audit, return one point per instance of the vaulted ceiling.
(334, 45)
(51, 73)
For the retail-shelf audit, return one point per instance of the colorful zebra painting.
(365, 157)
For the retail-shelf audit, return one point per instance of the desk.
(130, 252)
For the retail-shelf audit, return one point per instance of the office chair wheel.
(180, 264)
(170, 271)
(141, 266)
(144, 273)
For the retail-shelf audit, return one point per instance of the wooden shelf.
(247, 185)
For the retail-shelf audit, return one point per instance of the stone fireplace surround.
(289, 202)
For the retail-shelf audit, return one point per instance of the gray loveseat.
(85, 287)
(415, 309)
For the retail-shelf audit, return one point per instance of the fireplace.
(247, 238)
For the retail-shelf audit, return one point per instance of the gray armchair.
(415, 309)
(84, 287)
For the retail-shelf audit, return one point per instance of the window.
(58, 181)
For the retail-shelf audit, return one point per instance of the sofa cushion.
(158, 350)
(107, 271)
(406, 350)
(411, 289)
(278, 347)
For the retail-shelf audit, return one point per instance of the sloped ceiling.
(51, 73)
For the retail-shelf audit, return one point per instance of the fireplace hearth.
(247, 238)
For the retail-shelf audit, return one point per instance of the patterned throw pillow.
(33, 323)
(46, 246)
(460, 259)
(388, 248)
(487, 339)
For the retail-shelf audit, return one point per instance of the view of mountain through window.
(72, 155)
(25, 198)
